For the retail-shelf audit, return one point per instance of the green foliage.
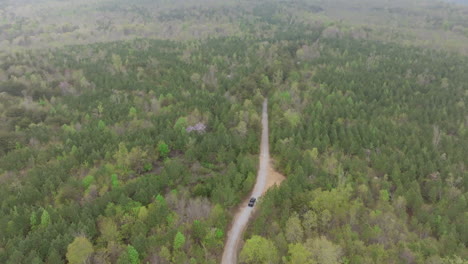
(294, 231)
(33, 219)
(362, 156)
(79, 250)
(132, 113)
(115, 181)
(45, 219)
(121, 156)
(133, 255)
(165, 253)
(384, 195)
(313, 154)
(163, 149)
(117, 63)
(101, 125)
(148, 167)
(259, 250)
(219, 233)
(199, 230)
(285, 96)
(370, 135)
(180, 124)
(68, 129)
(324, 251)
(292, 118)
(179, 241)
(160, 199)
(87, 181)
(109, 230)
(53, 257)
(299, 254)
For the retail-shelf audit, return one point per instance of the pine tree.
(179, 240)
(133, 256)
(163, 149)
(45, 219)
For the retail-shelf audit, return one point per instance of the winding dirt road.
(266, 178)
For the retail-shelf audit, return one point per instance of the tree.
(198, 230)
(384, 195)
(294, 230)
(325, 219)
(109, 230)
(163, 149)
(313, 153)
(299, 254)
(33, 220)
(324, 251)
(123, 258)
(136, 159)
(454, 260)
(117, 63)
(292, 117)
(181, 124)
(115, 181)
(132, 113)
(179, 240)
(142, 213)
(121, 155)
(241, 128)
(79, 251)
(100, 109)
(101, 125)
(259, 250)
(165, 254)
(87, 181)
(133, 256)
(53, 257)
(310, 222)
(45, 218)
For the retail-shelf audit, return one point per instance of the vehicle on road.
(252, 201)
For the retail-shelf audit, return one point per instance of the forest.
(138, 147)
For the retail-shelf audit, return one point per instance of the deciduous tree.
(259, 250)
(79, 251)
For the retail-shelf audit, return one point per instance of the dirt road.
(266, 178)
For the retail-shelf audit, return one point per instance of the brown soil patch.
(273, 178)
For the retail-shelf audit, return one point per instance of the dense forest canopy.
(52, 23)
(129, 132)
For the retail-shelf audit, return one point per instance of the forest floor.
(266, 178)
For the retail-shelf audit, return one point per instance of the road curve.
(242, 216)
